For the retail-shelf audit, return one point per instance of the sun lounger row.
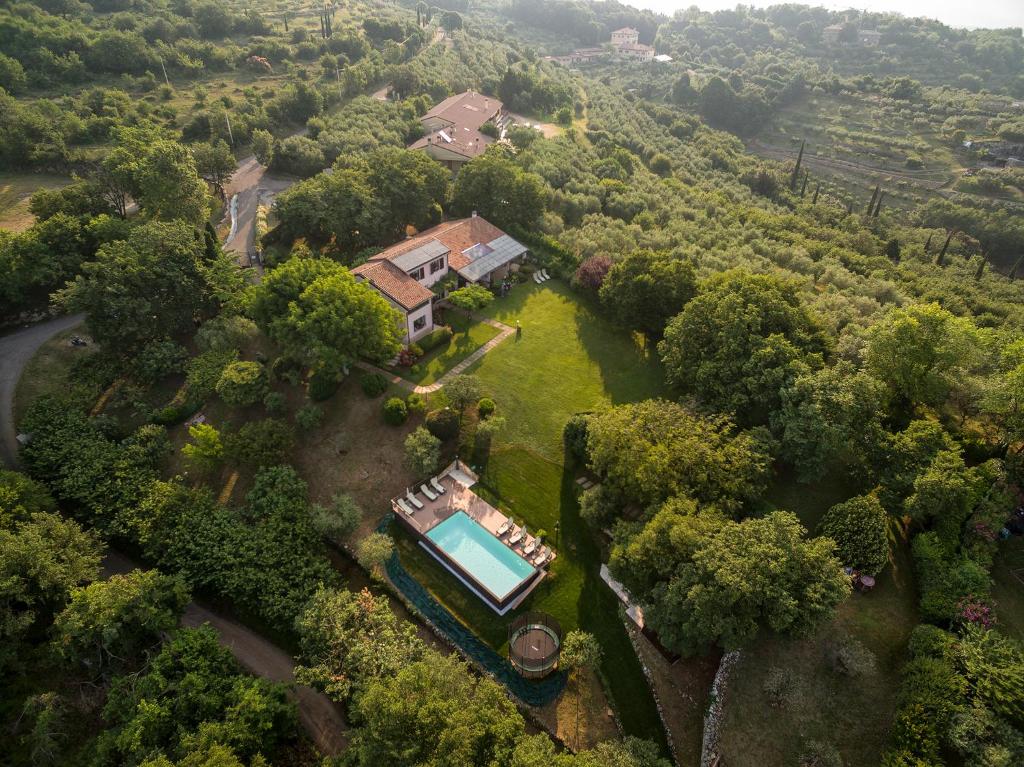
(541, 276)
(411, 503)
(529, 543)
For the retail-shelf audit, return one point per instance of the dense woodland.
(801, 331)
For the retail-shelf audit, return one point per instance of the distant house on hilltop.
(869, 38)
(474, 249)
(625, 36)
(452, 128)
(832, 33)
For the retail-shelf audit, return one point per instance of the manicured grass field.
(439, 361)
(567, 360)
(47, 373)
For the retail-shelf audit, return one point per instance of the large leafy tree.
(740, 342)
(147, 287)
(644, 290)
(744, 577)
(410, 187)
(110, 621)
(317, 310)
(337, 320)
(348, 639)
(832, 416)
(193, 698)
(499, 190)
(652, 450)
(43, 558)
(160, 174)
(434, 712)
(339, 207)
(924, 353)
(215, 163)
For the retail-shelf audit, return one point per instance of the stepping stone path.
(585, 482)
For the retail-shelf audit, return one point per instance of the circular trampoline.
(534, 642)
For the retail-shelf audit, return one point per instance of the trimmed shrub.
(286, 369)
(274, 402)
(927, 641)
(415, 404)
(373, 384)
(443, 424)
(945, 579)
(858, 526)
(435, 338)
(485, 407)
(243, 383)
(422, 452)
(309, 417)
(260, 443)
(157, 360)
(395, 411)
(226, 333)
(322, 384)
(205, 370)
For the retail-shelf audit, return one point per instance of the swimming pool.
(480, 555)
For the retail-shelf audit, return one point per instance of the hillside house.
(625, 36)
(473, 248)
(452, 128)
(869, 38)
(832, 33)
(638, 52)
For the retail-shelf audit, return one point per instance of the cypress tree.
(1016, 266)
(803, 188)
(941, 259)
(817, 188)
(878, 205)
(928, 242)
(871, 202)
(981, 268)
(796, 169)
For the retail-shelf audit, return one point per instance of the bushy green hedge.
(945, 579)
(443, 424)
(373, 384)
(395, 411)
(435, 338)
(322, 384)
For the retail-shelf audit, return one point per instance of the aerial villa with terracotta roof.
(473, 248)
(452, 133)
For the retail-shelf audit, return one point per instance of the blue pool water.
(489, 561)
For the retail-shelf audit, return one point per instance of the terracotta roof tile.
(466, 110)
(394, 283)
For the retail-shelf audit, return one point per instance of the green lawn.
(439, 361)
(853, 714)
(567, 360)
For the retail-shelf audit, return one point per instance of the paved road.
(320, 717)
(249, 181)
(16, 349)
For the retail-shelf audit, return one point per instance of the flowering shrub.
(976, 611)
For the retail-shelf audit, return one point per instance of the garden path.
(505, 332)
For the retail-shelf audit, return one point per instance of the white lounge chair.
(536, 277)
(505, 527)
(530, 547)
(413, 499)
(544, 277)
(428, 492)
(437, 486)
(406, 507)
(517, 535)
(541, 556)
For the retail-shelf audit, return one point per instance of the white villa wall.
(430, 279)
(426, 311)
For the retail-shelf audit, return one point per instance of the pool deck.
(457, 480)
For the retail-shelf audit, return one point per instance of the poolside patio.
(456, 480)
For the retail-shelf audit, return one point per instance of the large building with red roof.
(473, 248)
(452, 133)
